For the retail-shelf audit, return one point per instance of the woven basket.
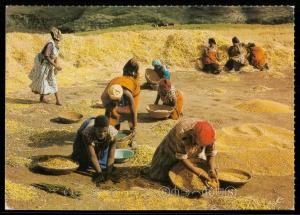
(159, 111)
(185, 180)
(245, 177)
(69, 117)
(152, 77)
(124, 142)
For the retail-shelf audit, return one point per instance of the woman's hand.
(58, 68)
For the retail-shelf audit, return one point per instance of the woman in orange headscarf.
(123, 108)
(170, 97)
(257, 57)
(187, 139)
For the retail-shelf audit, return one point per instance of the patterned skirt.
(42, 77)
(163, 160)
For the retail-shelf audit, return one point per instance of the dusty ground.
(261, 143)
(198, 103)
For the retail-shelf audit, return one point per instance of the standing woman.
(170, 96)
(43, 74)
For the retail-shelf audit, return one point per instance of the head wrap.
(101, 121)
(235, 40)
(56, 34)
(249, 45)
(115, 92)
(156, 63)
(204, 132)
(164, 84)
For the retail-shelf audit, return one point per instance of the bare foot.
(58, 103)
(44, 101)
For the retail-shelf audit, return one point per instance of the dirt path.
(209, 97)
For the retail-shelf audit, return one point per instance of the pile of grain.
(14, 127)
(149, 199)
(264, 106)
(58, 163)
(259, 148)
(238, 203)
(229, 78)
(217, 91)
(260, 88)
(143, 155)
(161, 128)
(15, 161)
(19, 192)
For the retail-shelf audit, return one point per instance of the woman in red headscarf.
(170, 97)
(187, 139)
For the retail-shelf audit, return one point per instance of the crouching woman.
(95, 146)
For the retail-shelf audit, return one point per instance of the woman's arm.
(94, 159)
(133, 110)
(111, 156)
(157, 99)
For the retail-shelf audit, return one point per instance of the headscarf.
(204, 132)
(164, 85)
(115, 92)
(156, 63)
(56, 34)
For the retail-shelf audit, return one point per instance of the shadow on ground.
(20, 101)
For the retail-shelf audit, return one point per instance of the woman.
(170, 97)
(161, 69)
(43, 74)
(237, 56)
(187, 139)
(257, 57)
(121, 96)
(210, 58)
(95, 146)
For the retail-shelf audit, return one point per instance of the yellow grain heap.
(59, 163)
(143, 155)
(260, 88)
(215, 91)
(19, 192)
(146, 199)
(259, 148)
(264, 106)
(161, 128)
(177, 48)
(15, 161)
(239, 203)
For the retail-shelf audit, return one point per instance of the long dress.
(174, 147)
(42, 74)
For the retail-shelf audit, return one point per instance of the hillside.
(78, 19)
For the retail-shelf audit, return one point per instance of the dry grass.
(15, 161)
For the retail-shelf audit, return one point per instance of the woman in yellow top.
(121, 96)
